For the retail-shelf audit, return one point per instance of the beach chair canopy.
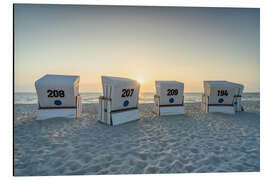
(57, 91)
(170, 92)
(240, 88)
(222, 92)
(123, 92)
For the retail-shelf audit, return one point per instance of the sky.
(189, 45)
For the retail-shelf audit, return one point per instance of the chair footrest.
(43, 114)
(222, 109)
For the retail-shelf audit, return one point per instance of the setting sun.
(140, 81)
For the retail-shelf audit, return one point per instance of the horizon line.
(140, 92)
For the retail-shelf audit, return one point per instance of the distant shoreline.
(144, 97)
(143, 92)
(20, 104)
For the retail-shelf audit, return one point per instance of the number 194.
(223, 93)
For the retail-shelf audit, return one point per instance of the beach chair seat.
(222, 96)
(58, 96)
(169, 98)
(119, 103)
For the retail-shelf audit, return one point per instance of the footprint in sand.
(61, 153)
(57, 163)
(243, 132)
(87, 158)
(94, 169)
(116, 162)
(151, 170)
(139, 165)
(74, 165)
(176, 166)
(190, 168)
(143, 156)
(194, 150)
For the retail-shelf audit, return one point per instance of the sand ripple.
(194, 142)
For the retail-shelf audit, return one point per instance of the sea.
(144, 97)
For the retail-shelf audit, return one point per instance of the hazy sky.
(147, 43)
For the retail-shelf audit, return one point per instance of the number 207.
(127, 92)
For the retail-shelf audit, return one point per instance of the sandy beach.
(194, 142)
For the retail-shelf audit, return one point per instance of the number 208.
(55, 93)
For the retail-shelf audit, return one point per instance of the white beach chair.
(169, 98)
(222, 96)
(238, 96)
(58, 96)
(119, 103)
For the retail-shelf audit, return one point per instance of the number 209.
(172, 92)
